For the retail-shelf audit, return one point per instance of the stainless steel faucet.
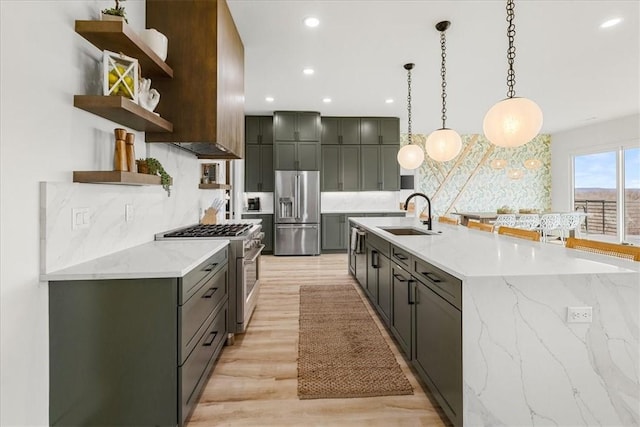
(411, 196)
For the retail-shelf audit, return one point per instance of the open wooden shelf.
(123, 111)
(118, 36)
(214, 186)
(115, 177)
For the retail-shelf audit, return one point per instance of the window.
(607, 188)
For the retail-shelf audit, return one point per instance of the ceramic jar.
(157, 41)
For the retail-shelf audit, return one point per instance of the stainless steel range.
(244, 264)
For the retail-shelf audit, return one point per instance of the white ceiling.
(577, 72)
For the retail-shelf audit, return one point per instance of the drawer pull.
(399, 278)
(400, 256)
(209, 293)
(211, 267)
(409, 290)
(432, 277)
(210, 340)
(374, 259)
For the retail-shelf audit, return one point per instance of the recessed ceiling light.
(308, 71)
(326, 100)
(311, 22)
(611, 22)
(269, 99)
(388, 101)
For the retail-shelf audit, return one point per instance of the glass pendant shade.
(512, 122)
(443, 144)
(410, 156)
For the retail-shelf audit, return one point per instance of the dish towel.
(354, 239)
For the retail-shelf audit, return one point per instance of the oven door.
(249, 278)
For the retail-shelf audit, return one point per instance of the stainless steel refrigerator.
(297, 213)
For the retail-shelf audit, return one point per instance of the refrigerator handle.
(297, 213)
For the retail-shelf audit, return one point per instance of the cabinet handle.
(211, 267)
(259, 139)
(259, 186)
(374, 259)
(339, 139)
(209, 293)
(296, 136)
(432, 277)
(340, 186)
(211, 339)
(409, 290)
(400, 256)
(399, 278)
(379, 139)
(416, 300)
(297, 165)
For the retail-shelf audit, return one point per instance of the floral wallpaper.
(469, 182)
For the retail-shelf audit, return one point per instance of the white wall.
(603, 136)
(44, 138)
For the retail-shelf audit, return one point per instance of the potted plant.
(152, 166)
(115, 13)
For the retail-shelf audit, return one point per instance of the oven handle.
(257, 251)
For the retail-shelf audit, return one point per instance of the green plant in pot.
(154, 167)
(116, 11)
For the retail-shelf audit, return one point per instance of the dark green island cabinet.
(135, 351)
(421, 305)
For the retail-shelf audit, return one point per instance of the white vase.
(157, 41)
(107, 17)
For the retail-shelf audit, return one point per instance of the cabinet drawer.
(189, 284)
(195, 371)
(195, 311)
(444, 284)
(400, 256)
(379, 243)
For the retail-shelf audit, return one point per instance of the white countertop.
(260, 212)
(363, 211)
(157, 259)
(474, 253)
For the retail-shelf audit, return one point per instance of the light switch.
(80, 218)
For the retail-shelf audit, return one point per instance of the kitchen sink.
(408, 231)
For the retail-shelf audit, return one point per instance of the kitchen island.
(483, 319)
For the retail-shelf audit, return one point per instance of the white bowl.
(157, 41)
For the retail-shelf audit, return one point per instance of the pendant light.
(411, 155)
(514, 121)
(443, 144)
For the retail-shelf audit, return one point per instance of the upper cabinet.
(379, 130)
(296, 126)
(341, 130)
(205, 99)
(259, 129)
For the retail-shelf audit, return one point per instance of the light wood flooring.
(254, 382)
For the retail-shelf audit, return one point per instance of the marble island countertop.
(473, 253)
(156, 259)
(367, 211)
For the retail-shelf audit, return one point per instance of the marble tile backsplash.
(153, 211)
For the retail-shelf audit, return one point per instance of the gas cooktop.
(210, 230)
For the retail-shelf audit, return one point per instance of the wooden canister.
(120, 154)
(131, 153)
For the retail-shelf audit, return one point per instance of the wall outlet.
(128, 212)
(579, 314)
(80, 218)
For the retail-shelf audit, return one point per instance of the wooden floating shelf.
(123, 111)
(214, 186)
(115, 177)
(118, 36)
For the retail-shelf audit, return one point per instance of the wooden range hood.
(205, 98)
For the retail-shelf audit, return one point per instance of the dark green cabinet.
(258, 129)
(378, 281)
(258, 167)
(340, 168)
(379, 130)
(135, 351)
(267, 229)
(379, 169)
(438, 349)
(401, 313)
(296, 126)
(297, 155)
(334, 232)
(341, 130)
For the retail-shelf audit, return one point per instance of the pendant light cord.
(409, 99)
(511, 51)
(443, 74)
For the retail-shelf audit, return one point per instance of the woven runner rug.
(341, 352)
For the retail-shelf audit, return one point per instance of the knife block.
(210, 216)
